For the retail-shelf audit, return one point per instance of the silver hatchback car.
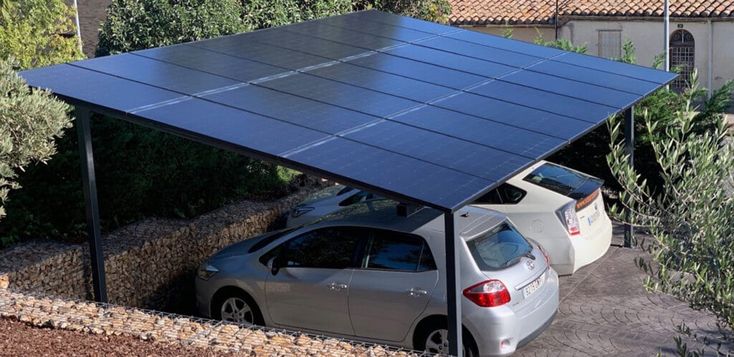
(368, 273)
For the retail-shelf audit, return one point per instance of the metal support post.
(89, 183)
(453, 295)
(629, 143)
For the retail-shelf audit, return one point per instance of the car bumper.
(593, 245)
(510, 328)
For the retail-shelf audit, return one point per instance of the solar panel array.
(414, 110)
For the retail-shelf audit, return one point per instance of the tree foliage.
(690, 217)
(138, 24)
(269, 13)
(30, 120)
(36, 32)
(431, 10)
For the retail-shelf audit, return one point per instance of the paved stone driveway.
(605, 311)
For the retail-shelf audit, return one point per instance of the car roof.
(382, 213)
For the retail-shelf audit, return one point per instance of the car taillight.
(567, 215)
(488, 293)
(582, 203)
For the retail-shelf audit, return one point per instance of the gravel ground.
(20, 339)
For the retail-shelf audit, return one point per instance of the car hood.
(240, 248)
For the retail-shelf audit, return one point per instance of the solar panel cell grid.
(413, 110)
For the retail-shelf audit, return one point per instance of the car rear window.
(563, 180)
(499, 248)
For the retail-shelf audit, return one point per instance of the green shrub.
(33, 32)
(431, 10)
(30, 121)
(140, 173)
(138, 24)
(269, 13)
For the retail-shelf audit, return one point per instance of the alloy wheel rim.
(438, 342)
(237, 310)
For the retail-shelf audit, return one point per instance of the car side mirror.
(275, 264)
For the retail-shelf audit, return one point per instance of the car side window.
(388, 250)
(327, 248)
(505, 194)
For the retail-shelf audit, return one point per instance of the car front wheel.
(238, 307)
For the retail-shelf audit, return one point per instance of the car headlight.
(206, 271)
(300, 211)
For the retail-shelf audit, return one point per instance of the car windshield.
(330, 191)
(557, 178)
(499, 248)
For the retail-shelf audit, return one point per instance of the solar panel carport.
(420, 112)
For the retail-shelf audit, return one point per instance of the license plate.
(534, 286)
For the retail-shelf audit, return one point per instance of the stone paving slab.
(606, 311)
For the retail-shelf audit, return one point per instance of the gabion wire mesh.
(40, 309)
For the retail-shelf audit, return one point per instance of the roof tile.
(481, 12)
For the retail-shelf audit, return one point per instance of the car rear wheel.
(435, 341)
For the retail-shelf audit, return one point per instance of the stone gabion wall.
(147, 263)
(88, 317)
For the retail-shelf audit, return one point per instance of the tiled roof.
(475, 12)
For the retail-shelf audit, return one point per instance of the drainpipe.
(555, 21)
(78, 28)
(710, 69)
(666, 30)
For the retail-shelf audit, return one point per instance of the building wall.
(647, 37)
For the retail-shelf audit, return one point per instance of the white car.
(560, 208)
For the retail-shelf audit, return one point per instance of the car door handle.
(337, 286)
(416, 292)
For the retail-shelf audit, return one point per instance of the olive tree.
(689, 218)
(30, 120)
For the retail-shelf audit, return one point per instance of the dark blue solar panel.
(489, 133)
(376, 38)
(589, 92)
(296, 110)
(413, 110)
(276, 56)
(309, 44)
(382, 82)
(590, 76)
(466, 157)
(212, 62)
(452, 61)
(418, 70)
(497, 42)
(346, 96)
(390, 172)
(512, 114)
(604, 65)
(156, 73)
(240, 128)
(93, 87)
(468, 49)
(400, 21)
(547, 101)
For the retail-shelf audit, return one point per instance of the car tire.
(234, 305)
(432, 339)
